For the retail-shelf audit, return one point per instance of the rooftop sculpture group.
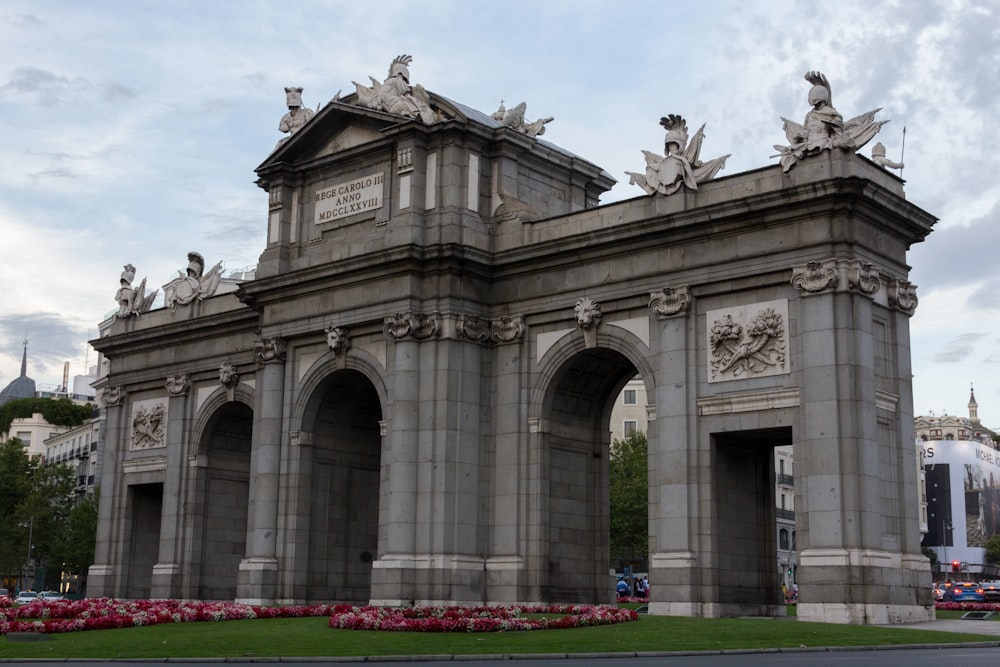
(681, 165)
(132, 300)
(514, 119)
(824, 128)
(196, 284)
(396, 95)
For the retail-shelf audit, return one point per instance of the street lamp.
(27, 562)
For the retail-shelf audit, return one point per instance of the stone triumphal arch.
(410, 402)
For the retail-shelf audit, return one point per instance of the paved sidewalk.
(990, 627)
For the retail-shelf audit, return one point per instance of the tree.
(58, 412)
(993, 550)
(74, 548)
(15, 483)
(629, 500)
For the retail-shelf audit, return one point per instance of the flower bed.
(475, 619)
(104, 613)
(967, 606)
(44, 616)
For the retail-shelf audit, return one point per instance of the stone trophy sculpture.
(514, 119)
(396, 95)
(681, 165)
(824, 128)
(132, 300)
(297, 115)
(196, 284)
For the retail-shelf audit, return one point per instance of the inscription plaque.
(349, 198)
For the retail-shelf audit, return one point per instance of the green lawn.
(313, 637)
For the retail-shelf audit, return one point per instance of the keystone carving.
(228, 377)
(338, 340)
(588, 313)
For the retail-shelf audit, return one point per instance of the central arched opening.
(578, 408)
(344, 498)
(226, 443)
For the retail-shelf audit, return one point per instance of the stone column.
(166, 581)
(258, 575)
(507, 556)
(104, 577)
(850, 483)
(673, 563)
(393, 571)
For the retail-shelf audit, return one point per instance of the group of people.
(639, 587)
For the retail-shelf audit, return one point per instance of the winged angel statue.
(824, 128)
(681, 165)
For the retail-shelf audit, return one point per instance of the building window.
(629, 397)
(783, 539)
(783, 501)
(629, 428)
(24, 437)
(781, 466)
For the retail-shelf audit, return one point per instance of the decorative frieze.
(473, 327)
(177, 385)
(417, 325)
(670, 301)
(747, 341)
(269, 350)
(507, 329)
(149, 425)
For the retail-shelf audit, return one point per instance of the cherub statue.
(132, 301)
(681, 165)
(824, 128)
(186, 288)
(395, 95)
(514, 119)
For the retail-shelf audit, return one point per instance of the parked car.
(51, 595)
(991, 590)
(939, 592)
(24, 597)
(964, 593)
(4, 593)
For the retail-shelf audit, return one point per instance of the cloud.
(960, 348)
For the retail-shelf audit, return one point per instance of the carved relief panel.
(148, 424)
(748, 341)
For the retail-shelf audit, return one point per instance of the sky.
(130, 131)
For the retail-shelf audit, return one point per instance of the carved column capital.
(178, 385)
(903, 295)
(815, 277)
(504, 329)
(420, 326)
(507, 329)
(269, 350)
(837, 274)
(112, 396)
(670, 301)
